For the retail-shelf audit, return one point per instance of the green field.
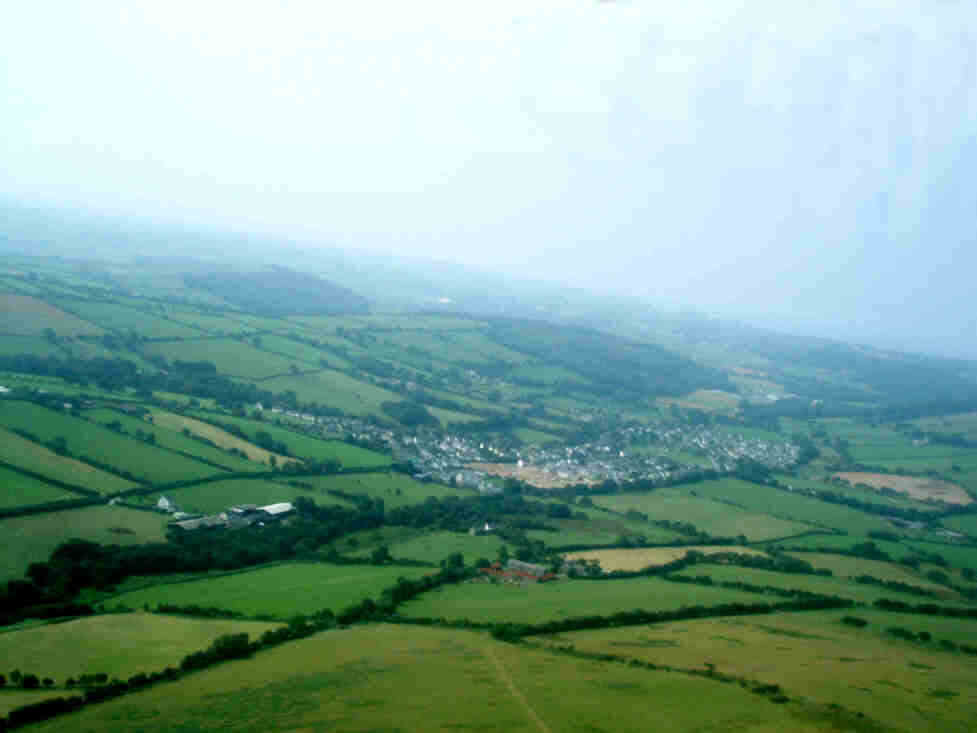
(790, 505)
(396, 489)
(436, 546)
(600, 529)
(829, 586)
(216, 496)
(231, 357)
(23, 315)
(902, 685)
(33, 538)
(386, 678)
(706, 514)
(335, 389)
(14, 345)
(301, 445)
(120, 318)
(16, 489)
(302, 352)
(174, 440)
(845, 566)
(144, 461)
(281, 592)
(490, 602)
(120, 644)
(868, 495)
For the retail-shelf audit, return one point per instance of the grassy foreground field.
(490, 602)
(282, 591)
(33, 538)
(120, 645)
(387, 678)
(18, 490)
(908, 686)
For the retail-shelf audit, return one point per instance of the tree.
(503, 555)
(30, 682)
(47, 682)
(453, 561)
(380, 555)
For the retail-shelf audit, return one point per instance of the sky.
(811, 166)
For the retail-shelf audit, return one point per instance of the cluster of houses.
(518, 572)
(236, 517)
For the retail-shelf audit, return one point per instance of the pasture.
(829, 586)
(844, 566)
(31, 456)
(24, 315)
(645, 557)
(788, 505)
(385, 678)
(118, 644)
(231, 357)
(33, 538)
(599, 529)
(173, 440)
(281, 591)
(16, 489)
(436, 546)
(222, 438)
(144, 461)
(302, 445)
(302, 352)
(121, 318)
(488, 602)
(708, 515)
(902, 685)
(216, 496)
(335, 389)
(917, 487)
(395, 489)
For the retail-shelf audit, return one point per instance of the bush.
(854, 621)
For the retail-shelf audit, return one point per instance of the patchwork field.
(173, 440)
(828, 586)
(231, 357)
(119, 645)
(31, 456)
(222, 438)
(396, 489)
(144, 461)
(16, 489)
(121, 318)
(304, 446)
(916, 487)
(389, 678)
(706, 514)
(281, 592)
(844, 566)
(902, 685)
(490, 602)
(23, 315)
(216, 496)
(641, 558)
(605, 529)
(335, 389)
(33, 538)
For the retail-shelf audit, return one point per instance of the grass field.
(174, 440)
(387, 678)
(120, 645)
(396, 489)
(335, 389)
(902, 685)
(120, 318)
(844, 566)
(231, 357)
(436, 546)
(829, 586)
(789, 505)
(867, 495)
(706, 514)
(16, 489)
(282, 591)
(216, 496)
(490, 602)
(600, 529)
(641, 558)
(302, 352)
(23, 315)
(144, 461)
(922, 488)
(14, 345)
(33, 538)
(222, 438)
(304, 446)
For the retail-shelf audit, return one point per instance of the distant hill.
(279, 291)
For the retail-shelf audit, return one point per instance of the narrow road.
(504, 676)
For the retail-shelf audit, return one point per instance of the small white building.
(277, 510)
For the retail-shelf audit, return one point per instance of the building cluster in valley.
(235, 517)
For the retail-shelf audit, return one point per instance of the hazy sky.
(805, 163)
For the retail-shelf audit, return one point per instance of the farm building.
(516, 571)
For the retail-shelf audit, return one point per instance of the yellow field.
(913, 486)
(221, 438)
(906, 685)
(644, 557)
